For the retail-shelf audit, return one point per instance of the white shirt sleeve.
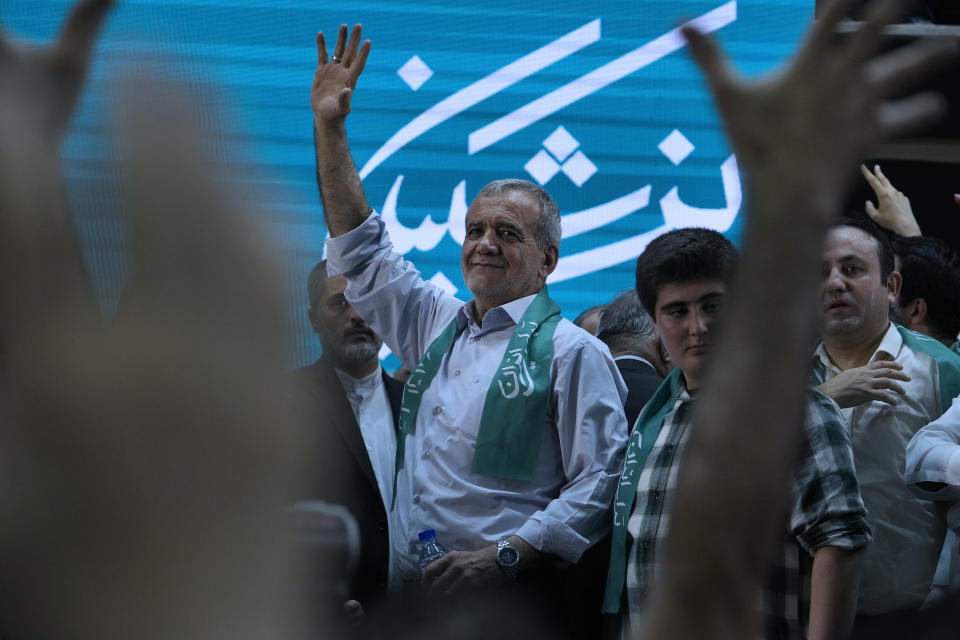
(933, 455)
(588, 397)
(388, 291)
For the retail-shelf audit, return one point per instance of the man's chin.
(359, 352)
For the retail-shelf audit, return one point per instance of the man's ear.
(894, 280)
(551, 255)
(314, 320)
(915, 313)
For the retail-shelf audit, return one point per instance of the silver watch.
(508, 558)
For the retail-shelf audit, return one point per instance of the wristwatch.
(508, 558)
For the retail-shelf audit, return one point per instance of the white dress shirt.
(566, 506)
(908, 533)
(933, 455)
(371, 407)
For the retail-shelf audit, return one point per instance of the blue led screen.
(597, 101)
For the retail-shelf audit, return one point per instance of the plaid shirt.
(825, 509)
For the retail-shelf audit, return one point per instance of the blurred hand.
(797, 132)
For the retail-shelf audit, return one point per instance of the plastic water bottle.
(430, 549)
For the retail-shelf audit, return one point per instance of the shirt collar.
(362, 385)
(637, 358)
(888, 349)
(496, 318)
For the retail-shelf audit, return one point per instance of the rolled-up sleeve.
(827, 509)
(587, 401)
(388, 291)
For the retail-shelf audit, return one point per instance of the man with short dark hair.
(683, 279)
(889, 382)
(633, 340)
(929, 298)
(355, 406)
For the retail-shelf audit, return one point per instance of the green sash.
(948, 363)
(511, 425)
(644, 435)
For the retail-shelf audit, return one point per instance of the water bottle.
(430, 549)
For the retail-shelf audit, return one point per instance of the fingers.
(872, 179)
(864, 42)
(887, 397)
(822, 31)
(435, 569)
(899, 117)
(341, 43)
(351, 51)
(871, 210)
(321, 49)
(80, 31)
(357, 67)
(710, 58)
(893, 72)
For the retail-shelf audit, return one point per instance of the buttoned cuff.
(548, 535)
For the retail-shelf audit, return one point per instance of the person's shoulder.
(570, 337)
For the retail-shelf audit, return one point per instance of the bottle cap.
(428, 534)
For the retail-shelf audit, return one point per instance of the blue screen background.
(635, 151)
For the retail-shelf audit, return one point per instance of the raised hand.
(39, 86)
(335, 79)
(893, 209)
(799, 131)
(875, 381)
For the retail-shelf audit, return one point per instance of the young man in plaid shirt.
(682, 281)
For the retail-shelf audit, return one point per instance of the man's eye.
(852, 269)
(677, 313)
(508, 234)
(473, 232)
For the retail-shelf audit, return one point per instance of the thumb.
(343, 100)
(871, 210)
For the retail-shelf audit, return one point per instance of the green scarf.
(948, 363)
(511, 425)
(644, 434)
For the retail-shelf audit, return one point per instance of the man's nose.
(488, 243)
(699, 323)
(834, 280)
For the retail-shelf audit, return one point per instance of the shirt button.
(457, 372)
(655, 495)
(437, 411)
(426, 455)
(476, 379)
(646, 542)
(416, 500)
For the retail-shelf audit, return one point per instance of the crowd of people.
(749, 443)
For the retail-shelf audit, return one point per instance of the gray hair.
(548, 231)
(317, 283)
(625, 318)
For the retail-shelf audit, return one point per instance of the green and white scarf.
(511, 425)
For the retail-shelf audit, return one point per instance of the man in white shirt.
(512, 425)
(356, 406)
(889, 382)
